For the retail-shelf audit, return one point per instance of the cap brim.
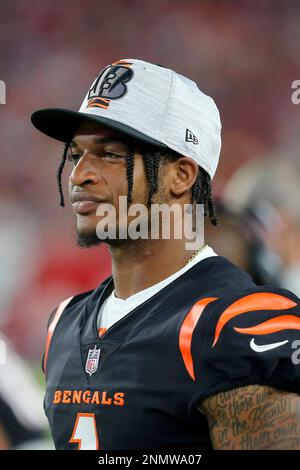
(61, 124)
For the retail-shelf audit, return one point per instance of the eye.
(113, 156)
(73, 157)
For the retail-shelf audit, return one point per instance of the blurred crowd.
(242, 53)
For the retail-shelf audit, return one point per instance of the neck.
(143, 263)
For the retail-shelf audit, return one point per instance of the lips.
(84, 207)
(84, 203)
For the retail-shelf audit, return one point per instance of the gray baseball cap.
(147, 102)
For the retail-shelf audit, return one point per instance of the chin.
(87, 239)
(86, 235)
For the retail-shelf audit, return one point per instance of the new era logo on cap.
(149, 103)
(190, 137)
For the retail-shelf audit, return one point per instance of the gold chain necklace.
(195, 253)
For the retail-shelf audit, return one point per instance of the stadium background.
(245, 54)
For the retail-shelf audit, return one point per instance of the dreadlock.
(202, 194)
(151, 163)
(59, 174)
(201, 189)
(129, 173)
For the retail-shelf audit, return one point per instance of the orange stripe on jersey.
(283, 322)
(250, 303)
(101, 331)
(52, 326)
(186, 332)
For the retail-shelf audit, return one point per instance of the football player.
(179, 348)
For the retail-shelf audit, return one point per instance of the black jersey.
(140, 384)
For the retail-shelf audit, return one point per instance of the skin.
(253, 418)
(97, 173)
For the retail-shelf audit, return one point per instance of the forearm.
(254, 417)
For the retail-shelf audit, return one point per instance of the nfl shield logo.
(92, 361)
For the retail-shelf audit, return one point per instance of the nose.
(84, 172)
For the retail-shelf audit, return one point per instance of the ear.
(185, 174)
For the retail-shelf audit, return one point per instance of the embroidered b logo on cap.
(110, 85)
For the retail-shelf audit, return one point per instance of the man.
(179, 348)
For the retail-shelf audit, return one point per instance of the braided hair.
(201, 189)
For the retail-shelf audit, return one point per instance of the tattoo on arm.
(253, 417)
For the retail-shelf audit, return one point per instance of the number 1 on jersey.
(85, 432)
